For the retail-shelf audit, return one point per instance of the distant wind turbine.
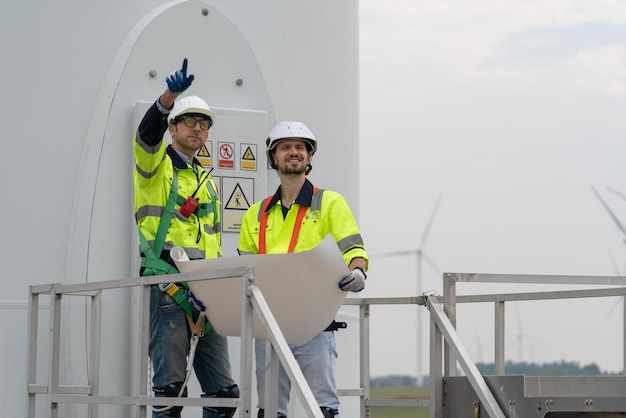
(419, 252)
(421, 257)
(620, 299)
(521, 337)
(620, 226)
(613, 216)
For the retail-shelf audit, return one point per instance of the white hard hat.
(290, 129)
(286, 130)
(190, 104)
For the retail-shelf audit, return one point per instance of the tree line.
(562, 368)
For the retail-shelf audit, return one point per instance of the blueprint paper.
(300, 289)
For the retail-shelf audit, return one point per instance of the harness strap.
(263, 226)
(296, 228)
(201, 326)
(166, 218)
(203, 208)
(153, 264)
(156, 266)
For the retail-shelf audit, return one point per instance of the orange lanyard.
(296, 228)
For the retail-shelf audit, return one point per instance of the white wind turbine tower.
(420, 257)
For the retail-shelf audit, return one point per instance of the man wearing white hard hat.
(176, 205)
(297, 218)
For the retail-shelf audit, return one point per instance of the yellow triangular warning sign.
(237, 200)
(248, 155)
(204, 152)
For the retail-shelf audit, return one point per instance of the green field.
(399, 392)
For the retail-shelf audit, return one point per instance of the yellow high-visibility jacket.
(327, 213)
(155, 166)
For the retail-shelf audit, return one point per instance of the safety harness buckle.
(197, 328)
(164, 287)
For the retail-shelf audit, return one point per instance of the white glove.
(353, 281)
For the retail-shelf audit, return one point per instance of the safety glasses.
(190, 122)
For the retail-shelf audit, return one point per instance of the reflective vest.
(328, 213)
(163, 182)
(199, 235)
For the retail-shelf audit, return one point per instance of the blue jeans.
(317, 359)
(169, 346)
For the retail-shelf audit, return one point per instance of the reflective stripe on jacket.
(333, 217)
(152, 180)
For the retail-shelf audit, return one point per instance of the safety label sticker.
(237, 199)
(248, 157)
(238, 194)
(226, 155)
(204, 154)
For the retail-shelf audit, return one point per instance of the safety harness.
(153, 265)
(296, 229)
(316, 204)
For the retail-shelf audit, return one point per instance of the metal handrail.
(445, 347)
(450, 281)
(253, 301)
(443, 323)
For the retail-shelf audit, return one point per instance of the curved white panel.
(100, 245)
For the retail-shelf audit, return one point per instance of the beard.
(290, 169)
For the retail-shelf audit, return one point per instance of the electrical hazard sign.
(248, 157)
(239, 195)
(204, 154)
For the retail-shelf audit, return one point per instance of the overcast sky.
(509, 112)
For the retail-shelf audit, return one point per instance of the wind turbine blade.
(619, 299)
(620, 194)
(608, 209)
(431, 264)
(514, 343)
(519, 321)
(536, 340)
(617, 273)
(615, 305)
(430, 222)
(394, 253)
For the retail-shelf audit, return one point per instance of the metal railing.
(446, 348)
(253, 303)
(364, 392)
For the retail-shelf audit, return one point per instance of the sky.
(484, 127)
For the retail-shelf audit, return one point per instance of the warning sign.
(226, 155)
(240, 194)
(237, 199)
(204, 154)
(248, 157)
